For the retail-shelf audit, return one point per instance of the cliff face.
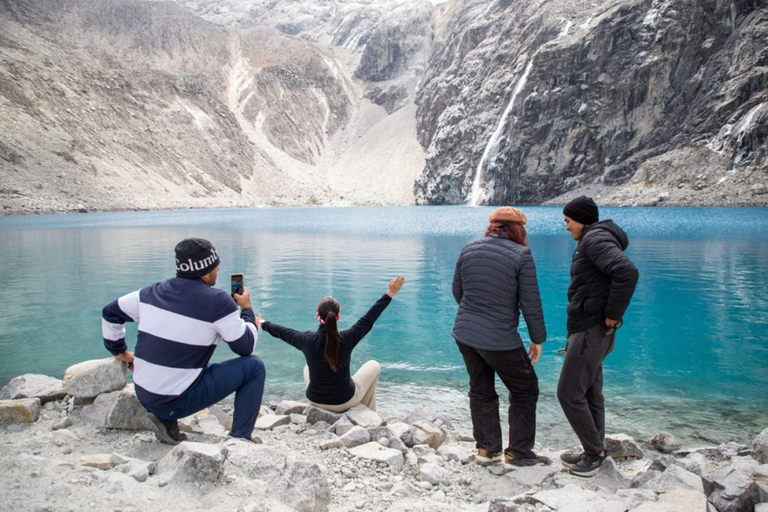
(278, 102)
(527, 102)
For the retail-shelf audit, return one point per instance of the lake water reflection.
(690, 358)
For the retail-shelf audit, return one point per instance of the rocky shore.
(83, 443)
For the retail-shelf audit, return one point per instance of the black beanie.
(195, 257)
(583, 210)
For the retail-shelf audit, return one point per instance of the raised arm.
(363, 326)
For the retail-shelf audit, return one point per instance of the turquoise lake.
(690, 359)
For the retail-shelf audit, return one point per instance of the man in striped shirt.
(180, 322)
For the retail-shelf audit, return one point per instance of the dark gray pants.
(516, 372)
(580, 389)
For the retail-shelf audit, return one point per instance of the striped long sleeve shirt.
(180, 322)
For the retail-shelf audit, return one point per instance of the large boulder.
(730, 490)
(300, 484)
(89, 379)
(364, 417)
(675, 500)
(118, 409)
(25, 410)
(621, 446)
(760, 447)
(32, 385)
(572, 498)
(192, 463)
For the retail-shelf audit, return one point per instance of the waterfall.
(492, 146)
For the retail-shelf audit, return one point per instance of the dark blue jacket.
(326, 386)
(495, 278)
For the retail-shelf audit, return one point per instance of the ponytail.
(328, 313)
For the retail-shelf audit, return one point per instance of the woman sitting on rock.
(328, 353)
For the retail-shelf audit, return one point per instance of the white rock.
(289, 407)
(364, 417)
(92, 378)
(531, 476)
(342, 426)
(422, 449)
(298, 419)
(375, 452)
(270, 421)
(434, 474)
(25, 410)
(453, 452)
(398, 428)
(351, 486)
(675, 500)
(355, 437)
(191, 462)
(411, 459)
(573, 498)
(118, 409)
(760, 447)
(32, 385)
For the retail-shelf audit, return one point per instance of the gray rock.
(759, 188)
(418, 413)
(390, 435)
(289, 407)
(621, 446)
(342, 426)
(364, 417)
(665, 442)
(674, 477)
(62, 423)
(298, 419)
(500, 469)
(33, 385)
(377, 453)
(355, 437)
(760, 477)
(295, 482)
(760, 447)
(329, 444)
(452, 452)
(271, 421)
(92, 378)
(98, 461)
(118, 409)
(532, 476)
(424, 433)
(25, 410)
(423, 449)
(434, 474)
(191, 462)
(730, 490)
(761, 507)
(675, 500)
(411, 459)
(316, 415)
(224, 414)
(398, 428)
(516, 504)
(573, 498)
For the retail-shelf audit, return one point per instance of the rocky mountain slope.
(524, 101)
(120, 104)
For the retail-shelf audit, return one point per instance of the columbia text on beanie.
(195, 257)
(583, 210)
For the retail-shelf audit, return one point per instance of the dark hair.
(514, 230)
(328, 309)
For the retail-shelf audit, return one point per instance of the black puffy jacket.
(494, 279)
(603, 279)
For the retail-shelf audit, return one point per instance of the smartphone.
(237, 284)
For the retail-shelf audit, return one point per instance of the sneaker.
(570, 459)
(513, 460)
(166, 432)
(588, 466)
(485, 457)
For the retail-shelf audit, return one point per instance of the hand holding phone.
(237, 284)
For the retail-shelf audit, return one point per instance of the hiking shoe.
(588, 465)
(166, 432)
(570, 459)
(514, 460)
(485, 457)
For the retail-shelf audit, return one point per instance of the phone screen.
(237, 284)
